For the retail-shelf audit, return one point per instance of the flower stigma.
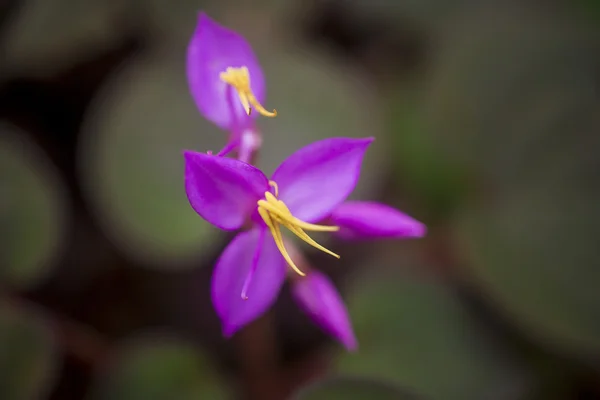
(275, 213)
(239, 79)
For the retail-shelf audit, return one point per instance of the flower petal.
(358, 219)
(211, 50)
(247, 251)
(318, 177)
(222, 190)
(318, 297)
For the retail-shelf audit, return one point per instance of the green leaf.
(158, 368)
(421, 164)
(353, 388)
(422, 15)
(28, 355)
(515, 100)
(419, 336)
(534, 251)
(32, 210)
(43, 38)
(592, 8)
(131, 162)
(499, 86)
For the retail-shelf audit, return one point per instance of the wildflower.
(308, 187)
(226, 80)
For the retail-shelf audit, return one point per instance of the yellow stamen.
(275, 213)
(278, 208)
(274, 186)
(239, 78)
(276, 232)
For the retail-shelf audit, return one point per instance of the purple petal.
(318, 297)
(211, 50)
(222, 190)
(248, 251)
(358, 219)
(317, 178)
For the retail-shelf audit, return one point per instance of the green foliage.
(32, 210)
(158, 368)
(535, 251)
(28, 355)
(427, 16)
(592, 8)
(353, 388)
(131, 162)
(419, 336)
(421, 163)
(514, 100)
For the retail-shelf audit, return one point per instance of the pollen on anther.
(274, 213)
(239, 79)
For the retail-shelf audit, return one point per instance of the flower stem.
(258, 359)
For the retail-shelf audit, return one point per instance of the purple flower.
(309, 186)
(225, 79)
(318, 297)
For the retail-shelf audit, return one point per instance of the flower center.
(275, 213)
(239, 79)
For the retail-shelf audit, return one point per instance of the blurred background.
(487, 120)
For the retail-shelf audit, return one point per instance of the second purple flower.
(226, 81)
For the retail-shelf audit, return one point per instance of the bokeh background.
(487, 120)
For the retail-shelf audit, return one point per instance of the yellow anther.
(239, 78)
(275, 213)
